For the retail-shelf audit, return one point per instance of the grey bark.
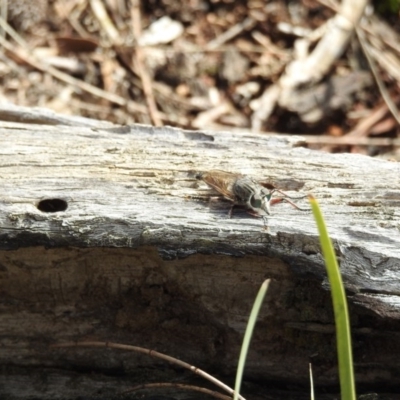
(142, 256)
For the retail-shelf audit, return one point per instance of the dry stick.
(333, 5)
(4, 15)
(347, 140)
(363, 126)
(140, 61)
(105, 21)
(73, 18)
(389, 40)
(178, 386)
(151, 353)
(384, 93)
(24, 54)
(231, 33)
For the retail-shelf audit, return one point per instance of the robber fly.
(244, 191)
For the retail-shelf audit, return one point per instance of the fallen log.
(106, 235)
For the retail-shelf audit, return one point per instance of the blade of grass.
(247, 336)
(343, 336)
(312, 396)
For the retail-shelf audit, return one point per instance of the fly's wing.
(221, 181)
(243, 189)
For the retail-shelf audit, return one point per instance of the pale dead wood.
(146, 179)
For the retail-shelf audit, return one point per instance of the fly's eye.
(255, 202)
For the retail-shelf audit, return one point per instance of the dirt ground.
(209, 64)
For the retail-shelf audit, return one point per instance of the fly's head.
(260, 202)
(251, 194)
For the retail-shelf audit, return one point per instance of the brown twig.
(382, 89)
(105, 21)
(364, 126)
(139, 63)
(235, 30)
(151, 353)
(179, 386)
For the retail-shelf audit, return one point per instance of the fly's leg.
(286, 198)
(286, 195)
(230, 213)
(280, 199)
(265, 219)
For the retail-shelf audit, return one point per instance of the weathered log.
(106, 235)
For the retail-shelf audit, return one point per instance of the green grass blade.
(248, 334)
(343, 336)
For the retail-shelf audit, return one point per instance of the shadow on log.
(106, 235)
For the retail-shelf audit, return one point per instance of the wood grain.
(142, 255)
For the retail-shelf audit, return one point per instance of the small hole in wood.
(52, 205)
